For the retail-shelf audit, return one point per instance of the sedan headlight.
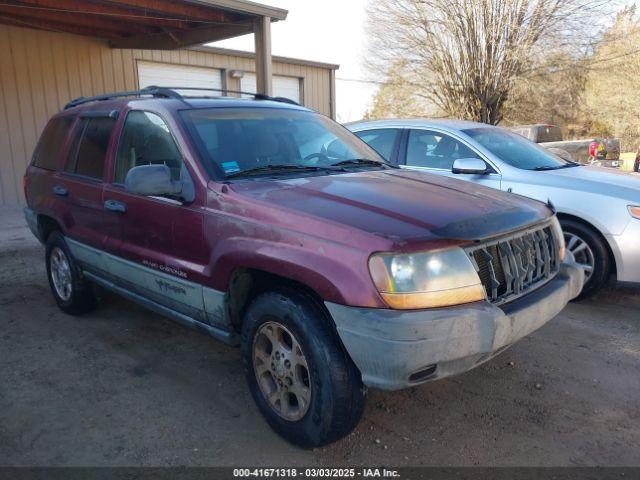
(634, 211)
(557, 232)
(426, 280)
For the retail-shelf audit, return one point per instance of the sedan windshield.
(238, 142)
(516, 150)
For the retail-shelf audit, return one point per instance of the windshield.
(236, 140)
(516, 150)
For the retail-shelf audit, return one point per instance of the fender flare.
(332, 280)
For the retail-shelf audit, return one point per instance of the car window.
(381, 140)
(146, 140)
(88, 152)
(233, 140)
(51, 142)
(516, 150)
(430, 149)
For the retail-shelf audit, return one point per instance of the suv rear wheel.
(73, 294)
(590, 253)
(302, 380)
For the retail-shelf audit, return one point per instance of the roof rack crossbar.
(257, 96)
(153, 91)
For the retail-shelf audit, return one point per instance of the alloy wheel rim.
(61, 274)
(582, 253)
(282, 371)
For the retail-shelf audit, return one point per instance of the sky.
(331, 31)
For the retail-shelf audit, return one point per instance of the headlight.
(634, 211)
(426, 280)
(557, 232)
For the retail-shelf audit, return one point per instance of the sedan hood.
(602, 180)
(400, 204)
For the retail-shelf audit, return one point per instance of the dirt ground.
(124, 386)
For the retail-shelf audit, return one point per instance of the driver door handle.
(115, 206)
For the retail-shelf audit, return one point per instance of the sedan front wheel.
(591, 254)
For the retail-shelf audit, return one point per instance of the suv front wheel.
(302, 380)
(73, 294)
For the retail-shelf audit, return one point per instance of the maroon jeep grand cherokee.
(270, 226)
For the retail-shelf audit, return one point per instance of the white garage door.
(169, 75)
(288, 87)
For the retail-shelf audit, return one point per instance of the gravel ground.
(123, 386)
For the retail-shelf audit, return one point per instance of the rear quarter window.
(88, 152)
(51, 142)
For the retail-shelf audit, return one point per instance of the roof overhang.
(152, 24)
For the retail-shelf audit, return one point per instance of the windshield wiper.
(545, 167)
(280, 168)
(558, 167)
(357, 162)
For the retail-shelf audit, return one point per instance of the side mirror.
(469, 166)
(151, 180)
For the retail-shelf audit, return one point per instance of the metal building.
(53, 52)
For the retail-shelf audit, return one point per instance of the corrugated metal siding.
(41, 71)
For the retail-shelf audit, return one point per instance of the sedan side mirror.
(469, 166)
(149, 180)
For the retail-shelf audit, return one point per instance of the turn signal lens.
(444, 298)
(557, 232)
(634, 211)
(426, 280)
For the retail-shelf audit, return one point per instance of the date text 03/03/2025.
(315, 473)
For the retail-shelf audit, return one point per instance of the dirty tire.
(601, 258)
(337, 396)
(81, 298)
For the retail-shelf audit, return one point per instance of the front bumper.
(626, 250)
(396, 349)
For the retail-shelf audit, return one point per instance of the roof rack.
(256, 96)
(153, 91)
(170, 92)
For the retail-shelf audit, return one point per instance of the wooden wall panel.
(41, 71)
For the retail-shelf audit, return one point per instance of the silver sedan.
(599, 209)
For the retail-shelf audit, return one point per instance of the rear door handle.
(61, 191)
(115, 206)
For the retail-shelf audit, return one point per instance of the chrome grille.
(512, 266)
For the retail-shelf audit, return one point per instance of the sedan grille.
(512, 266)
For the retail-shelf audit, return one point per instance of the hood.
(602, 180)
(400, 204)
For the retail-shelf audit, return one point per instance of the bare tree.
(398, 97)
(612, 93)
(553, 93)
(468, 53)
